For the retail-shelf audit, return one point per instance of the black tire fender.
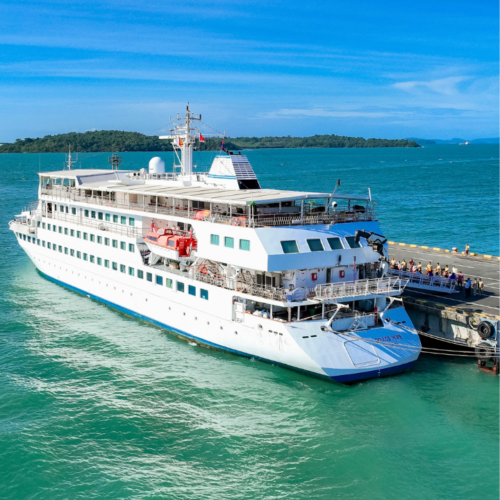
(485, 329)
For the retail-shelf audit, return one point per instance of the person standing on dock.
(419, 268)
(468, 285)
(466, 249)
(437, 271)
(481, 286)
(429, 268)
(460, 280)
(475, 287)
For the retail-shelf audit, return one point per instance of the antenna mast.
(115, 161)
(69, 162)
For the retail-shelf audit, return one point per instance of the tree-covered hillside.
(120, 141)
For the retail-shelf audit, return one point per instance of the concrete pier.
(452, 317)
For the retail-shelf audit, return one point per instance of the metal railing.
(360, 288)
(422, 281)
(237, 219)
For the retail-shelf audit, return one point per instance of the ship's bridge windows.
(245, 245)
(73, 210)
(351, 241)
(123, 245)
(100, 215)
(192, 290)
(159, 280)
(131, 221)
(115, 219)
(140, 274)
(86, 213)
(180, 286)
(131, 271)
(114, 266)
(149, 277)
(229, 242)
(203, 294)
(315, 245)
(123, 220)
(214, 239)
(289, 246)
(92, 214)
(131, 247)
(108, 217)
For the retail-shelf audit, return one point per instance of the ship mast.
(69, 160)
(183, 137)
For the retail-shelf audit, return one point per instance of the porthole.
(260, 327)
(221, 328)
(208, 322)
(236, 333)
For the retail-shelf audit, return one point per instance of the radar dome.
(156, 165)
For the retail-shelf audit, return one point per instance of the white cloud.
(446, 86)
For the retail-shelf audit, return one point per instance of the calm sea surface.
(94, 404)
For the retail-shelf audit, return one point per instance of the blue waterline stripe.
(129, 312)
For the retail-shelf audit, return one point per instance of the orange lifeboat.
(171, 243)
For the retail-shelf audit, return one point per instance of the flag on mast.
(222, 145)
(202, 139)
(180, 142)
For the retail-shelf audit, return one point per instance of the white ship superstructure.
(293, 278)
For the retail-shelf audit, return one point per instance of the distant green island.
(121, 141)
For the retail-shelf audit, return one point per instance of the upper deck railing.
(221, 217)
(359, 288)
(424, 282)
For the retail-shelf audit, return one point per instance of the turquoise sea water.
(94, 404)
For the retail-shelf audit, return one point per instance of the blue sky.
(362, 68)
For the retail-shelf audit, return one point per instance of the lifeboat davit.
(171, 243)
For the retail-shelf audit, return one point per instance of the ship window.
(351, 241)
(38, 243)
(245, 245)
(60, 229)
(106, 241)
(171, 243)
(106, 263)
(85, 236)
(78, 234)
(67, 209)
(140, 274)
(131, 271)
(99, 261)
(149, 277)
(123, 245)
(92, 214)
(229, 242)
(123, 268)
(54, 227)
(65, 249)
(92, 237)
(214, 239)
(335, 243)
(78, 255)
(49, 227)
(85, 256)
(131, 221)
(86, 213)
(108, 218)
(43, 243)
(115, 219)
(114, 266)
(48, 242)
(100, 215)
(54, 247)
(315, 245)
(123, 220)
(73, 210)
(71, 252)
(168, 282)
(159, 280)
(204, 294)
(180, 286)
(61, 208)
(115, 243)
(99, 239)
(192, 290)
(92, 259)
(66, 231)
(289, 246)
(131, 247)
(43, 225)
(72, 232)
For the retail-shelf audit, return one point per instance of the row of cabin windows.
(316, 244)
(89, 237)
(115, 266)
(92, 214)
(229, 242)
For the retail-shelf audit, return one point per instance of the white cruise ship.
(296, 279)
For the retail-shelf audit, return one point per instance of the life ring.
(203, 270)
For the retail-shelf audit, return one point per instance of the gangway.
(423, 282)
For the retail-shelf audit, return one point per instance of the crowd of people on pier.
(454, 275)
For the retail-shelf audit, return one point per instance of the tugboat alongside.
(298, 279)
